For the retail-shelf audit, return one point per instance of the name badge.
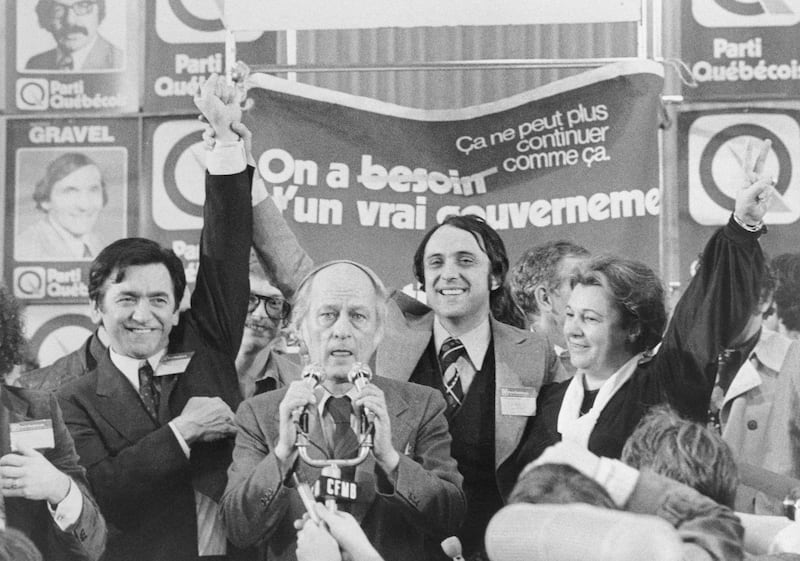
(37, 434)
(518, 401)
(173, 364)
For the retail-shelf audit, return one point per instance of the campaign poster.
(741, 49)
(54, 331)
(75, 56)
(71, 186)
(361, 179)
(185, 43)
(711, 151)
(173, 175)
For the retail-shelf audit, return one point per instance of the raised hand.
(753, 199)
(220, 105)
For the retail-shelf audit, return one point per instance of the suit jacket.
(426, 498)
(42, 242)
(86, 539)
(74, 365)
(522, 358)
(138, 471)
(103, 56)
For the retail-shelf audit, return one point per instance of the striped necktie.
(452, 349)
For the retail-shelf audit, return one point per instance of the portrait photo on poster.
(70, 36)
(69, 203)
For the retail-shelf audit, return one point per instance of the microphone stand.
(331, 467)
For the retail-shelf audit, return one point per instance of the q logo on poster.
(56, 330)
(29, 283)
(716, 148)
(744, 13)
(33, 94)
(193, 21)
(178, 175)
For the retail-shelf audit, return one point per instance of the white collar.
(78, 57)
(130, 366)
(75, 244)
(476, 341)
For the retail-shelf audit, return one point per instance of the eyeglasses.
(276, 308)
(59, 10)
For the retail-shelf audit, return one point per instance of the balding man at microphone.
(408, 487)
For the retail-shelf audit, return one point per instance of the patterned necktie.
(66, 63)
(147, 390)
(452, 349)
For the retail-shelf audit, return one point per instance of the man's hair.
(303, 293)
(637, 293)
(43, 8)
(129, 252)
(787, 292)
(60, 168)
(540, 265)
(685, 451)
(501, 304)
(12, 333)
(558, 484)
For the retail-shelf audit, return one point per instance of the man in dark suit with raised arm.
(152, 422)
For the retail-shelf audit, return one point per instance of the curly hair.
(558, 484)
(12, 334)
(540, 266)
(637, 292)
(685, 451)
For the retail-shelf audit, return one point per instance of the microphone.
(360, 375)
(312, 375)
(452, 548)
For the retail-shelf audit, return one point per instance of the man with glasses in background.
(79, 47)
(261, 363)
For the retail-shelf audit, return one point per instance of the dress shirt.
(79, 56)
(476, 342)
(211, 538)
(77, 246)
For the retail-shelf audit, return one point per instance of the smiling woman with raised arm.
(615, 318)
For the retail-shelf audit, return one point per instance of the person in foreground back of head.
(615, 317)
(709, 530)
(44, 489)
(409, 487)
(685, 451)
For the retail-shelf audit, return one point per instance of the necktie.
(452, 349)
(147, 390)
(344, 442)
(66, 63)
(728, 363)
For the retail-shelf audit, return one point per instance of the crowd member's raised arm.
(219, 300)
(720, 298)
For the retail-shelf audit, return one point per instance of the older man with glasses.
(261, 363)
